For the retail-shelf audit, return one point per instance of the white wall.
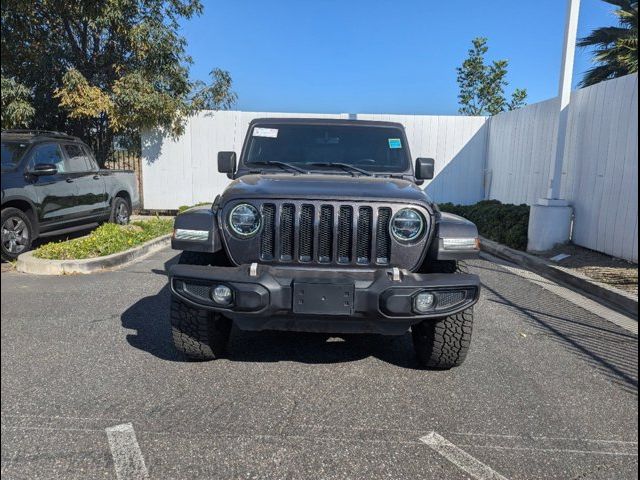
(184, 171)
(600, 172)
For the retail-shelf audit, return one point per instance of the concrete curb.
(27, 263)
(612, 297)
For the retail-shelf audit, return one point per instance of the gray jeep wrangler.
(324, 228)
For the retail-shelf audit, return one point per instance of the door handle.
(69, 180)
(96, 177)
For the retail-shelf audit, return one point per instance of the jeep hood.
(329, 187)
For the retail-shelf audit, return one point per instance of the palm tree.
(615, 49)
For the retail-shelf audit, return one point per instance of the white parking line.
(460, 458)
(572, 296)
(127, 457)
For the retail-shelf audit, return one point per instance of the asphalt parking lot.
(549, 390)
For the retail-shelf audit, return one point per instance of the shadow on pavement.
(610, 349)
(149, 317)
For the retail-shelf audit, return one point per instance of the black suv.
(51, 184)
(324, 229)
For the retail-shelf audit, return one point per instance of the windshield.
(12, 153)
(370, 148)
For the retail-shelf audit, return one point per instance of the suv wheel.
(17, 233)
(197, 333)
(120, 211)
(443, 343)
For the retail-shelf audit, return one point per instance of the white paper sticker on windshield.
(265, 132)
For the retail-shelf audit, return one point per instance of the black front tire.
(120, 211)
(17, 233)
(199, 334)
(443, 343)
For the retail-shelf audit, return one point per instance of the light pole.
(550, 219)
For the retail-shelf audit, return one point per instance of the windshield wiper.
(283, 165)
(344, 166)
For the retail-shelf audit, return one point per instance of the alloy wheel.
(15, 235)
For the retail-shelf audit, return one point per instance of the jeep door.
(56, 193)
(91, 195)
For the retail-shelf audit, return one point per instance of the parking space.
(549, 390)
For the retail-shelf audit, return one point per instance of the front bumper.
(339, 301)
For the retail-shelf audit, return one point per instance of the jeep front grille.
(325, 234)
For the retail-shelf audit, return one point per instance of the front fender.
(189, 231)
(457, 238)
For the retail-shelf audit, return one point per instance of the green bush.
(182, 208)
(106, 239)
(504, 223)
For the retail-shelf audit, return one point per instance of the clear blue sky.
(359, 56)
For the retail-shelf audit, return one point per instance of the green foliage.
(615, 49)
(106, 239)
(482, 86)
(504, 223)
(184, 208)
(97, 69)
(17, 110)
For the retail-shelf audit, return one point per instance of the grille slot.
(267, 242)
(450, 299)
(325, 234)
(345, 233)
(286, 232)
(197, 290)
(363, 239)
(382, 236)
(306, 233)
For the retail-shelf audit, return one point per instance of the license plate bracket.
(323, 298)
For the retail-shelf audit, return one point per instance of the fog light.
(424, 302)
(222, 295)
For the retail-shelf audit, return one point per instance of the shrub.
(503, 223)
(105, 240)
(183, 208)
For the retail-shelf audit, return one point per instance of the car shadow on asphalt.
(149, 319)
(608, 348)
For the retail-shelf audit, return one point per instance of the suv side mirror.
(42, 169)
(227, 163)
(424, 168)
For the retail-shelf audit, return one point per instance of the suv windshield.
(12, 153)
(370, 148)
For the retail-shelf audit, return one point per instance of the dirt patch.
(598, 266)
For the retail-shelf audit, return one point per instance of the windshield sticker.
(395, 143)
(265, 132)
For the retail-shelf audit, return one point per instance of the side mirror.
(424, 168)
(227, 163)
(43, 169)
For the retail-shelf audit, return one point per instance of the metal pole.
(564, 93)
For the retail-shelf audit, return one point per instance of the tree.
(615, 49)
(99, 69)
(482, 86)
(16, 109)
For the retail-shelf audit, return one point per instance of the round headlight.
(244, 220)
(407, 224)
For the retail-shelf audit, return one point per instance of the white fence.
(506, 157)
(184, 171)
(600, 173)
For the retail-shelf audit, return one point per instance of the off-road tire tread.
(443, 344)
(197, 333)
